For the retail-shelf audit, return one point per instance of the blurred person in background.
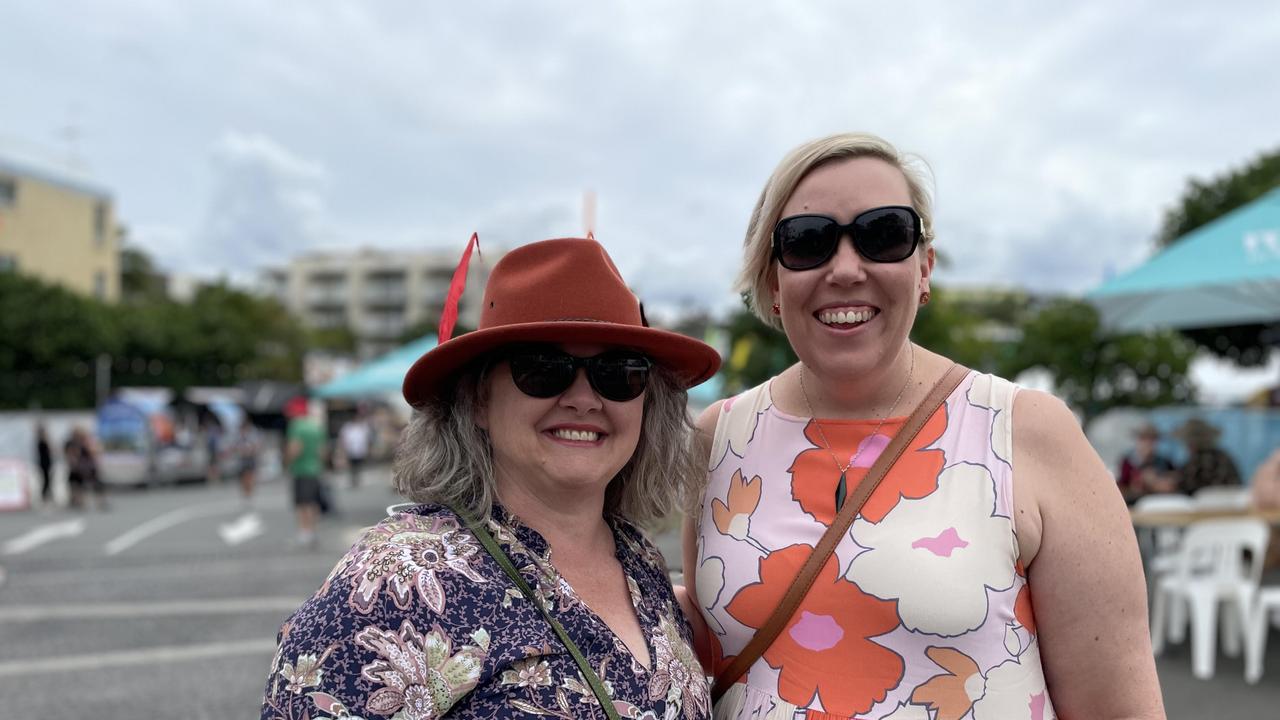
(1142, 468)
(213, 447)
(521, 585)
(1207, 465)
(998, 504)
(354, 439)
(304, 457)
(1264, 487)
(1264, 494)
(81, 457)
(44, 459)
(245, 449)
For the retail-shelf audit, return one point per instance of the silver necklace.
(841, 487)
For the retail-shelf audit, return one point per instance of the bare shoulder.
(1056, 470)
(706, 421)
(1044, 424)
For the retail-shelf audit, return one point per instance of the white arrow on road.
(43, 534)
(162, 523)
(242, 528)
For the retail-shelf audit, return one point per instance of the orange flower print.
(734, 517)
(826, 647)
(1022, 609)
(950, 694)
(814, 475)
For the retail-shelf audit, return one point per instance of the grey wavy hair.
(757, 275)
(444, 457)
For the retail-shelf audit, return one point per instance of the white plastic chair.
(1266, 611)
(1161, 547)
(1211, 569)
(1164, 540)
(1221, 497)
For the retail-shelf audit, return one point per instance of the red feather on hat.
(449, 316)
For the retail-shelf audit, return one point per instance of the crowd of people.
(1145, 470)
(80, 454)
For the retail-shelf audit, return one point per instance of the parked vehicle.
(147, 436)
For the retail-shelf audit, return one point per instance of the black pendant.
(841, 490)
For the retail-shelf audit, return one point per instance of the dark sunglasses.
(884, 235)
(543, 372)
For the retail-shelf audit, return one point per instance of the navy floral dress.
(417, 621)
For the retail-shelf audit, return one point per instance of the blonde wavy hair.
(756, 277)
(444, 457)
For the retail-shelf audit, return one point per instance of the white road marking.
(243, 528)
(43, 534)
(143, 656)
(164, 522)
(98, 611)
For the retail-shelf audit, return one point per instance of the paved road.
(167, 606)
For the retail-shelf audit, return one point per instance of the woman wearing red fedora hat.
(878, 523)
(520, 586)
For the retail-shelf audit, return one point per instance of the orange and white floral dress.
(923, 612)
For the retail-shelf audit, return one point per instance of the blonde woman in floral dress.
(555, 427)
(992, 575)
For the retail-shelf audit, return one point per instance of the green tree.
(1205, 201)
(140, 280)
(1094, 369)
(341, 339)
(757, 352)
(973, 333)
(50, 339)
(221, 337)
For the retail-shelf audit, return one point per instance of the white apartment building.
(377, 293)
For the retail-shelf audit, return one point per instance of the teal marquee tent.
(382, 375)
(1224, 273)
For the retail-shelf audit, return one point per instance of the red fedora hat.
(558, 291)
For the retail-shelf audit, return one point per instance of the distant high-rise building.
(379, 294)
(59, 228)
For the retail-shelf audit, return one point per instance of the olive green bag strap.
(495, 551)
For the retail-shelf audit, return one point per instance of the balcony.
(385, 296)
(326, 297)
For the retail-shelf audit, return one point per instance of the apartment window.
(8, 192)
(100, 223)
(100, 285)
(8, 263)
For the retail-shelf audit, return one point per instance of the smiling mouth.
(576, 435)
(845, 318)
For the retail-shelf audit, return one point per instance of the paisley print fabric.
(922, 612)
(416, 622)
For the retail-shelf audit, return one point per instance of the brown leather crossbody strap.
(772, 627)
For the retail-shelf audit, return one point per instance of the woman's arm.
(704, 432)
(1087, 587)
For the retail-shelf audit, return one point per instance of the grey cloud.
(430, 121)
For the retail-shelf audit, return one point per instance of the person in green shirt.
(304, 455)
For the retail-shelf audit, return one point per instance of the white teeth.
(580, 435)
(845, 317)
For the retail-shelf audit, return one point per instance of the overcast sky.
(235, 133)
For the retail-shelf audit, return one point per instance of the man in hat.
(1142, 468)
(1207, 464)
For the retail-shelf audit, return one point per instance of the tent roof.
(380, 376)
(1226, 272)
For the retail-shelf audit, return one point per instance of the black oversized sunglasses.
(542, 372)
(884, 235)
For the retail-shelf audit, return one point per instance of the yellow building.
(60, 229)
